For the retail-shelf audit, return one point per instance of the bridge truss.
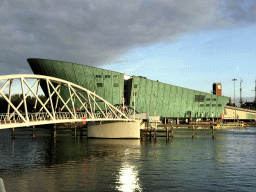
(65, 102)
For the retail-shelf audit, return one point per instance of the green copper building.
(157, 98)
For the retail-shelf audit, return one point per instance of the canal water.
(225, 163)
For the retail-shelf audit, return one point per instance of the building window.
(214, 99)
(132, 103)
(99, 85)
(107, 76)
(189, 113)
(116, 85)
(208, 99)
(219, 105)
(213, 105)
(135, 85)
(199, 98)
(98, 76)
(207, 105)
(115, 76)
(201, 105)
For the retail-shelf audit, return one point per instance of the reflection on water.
(121, 152)
(227, 162)
(128, 178)
(118, 142)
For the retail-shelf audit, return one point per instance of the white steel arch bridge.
(76, 105)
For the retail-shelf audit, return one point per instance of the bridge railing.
(7, 118)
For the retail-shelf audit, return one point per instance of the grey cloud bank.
(98, 32)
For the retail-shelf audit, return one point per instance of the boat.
(230, 125)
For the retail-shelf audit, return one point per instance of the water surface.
(225, 163)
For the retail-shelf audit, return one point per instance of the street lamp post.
(234, 96)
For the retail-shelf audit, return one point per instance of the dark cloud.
(240, 11)
(97, 32)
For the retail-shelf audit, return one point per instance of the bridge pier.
(34, 132)
(81, 133)
(113, 130)
(167, 133)
(13, 133)
(154, 133)
(55, 131)
(75, 132)
(151, 133)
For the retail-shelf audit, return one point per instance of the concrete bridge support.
(114, 130)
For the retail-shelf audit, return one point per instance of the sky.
(187, 43)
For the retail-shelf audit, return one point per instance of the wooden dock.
(187, 125)
(172, 131)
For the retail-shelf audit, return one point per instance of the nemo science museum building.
(153, 97)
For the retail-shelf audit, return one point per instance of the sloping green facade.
(107, 84)
(157, 98)
(172, 101)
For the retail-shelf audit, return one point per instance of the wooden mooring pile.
(170, 132)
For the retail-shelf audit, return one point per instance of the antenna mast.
(255, 91)
(241, 102)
